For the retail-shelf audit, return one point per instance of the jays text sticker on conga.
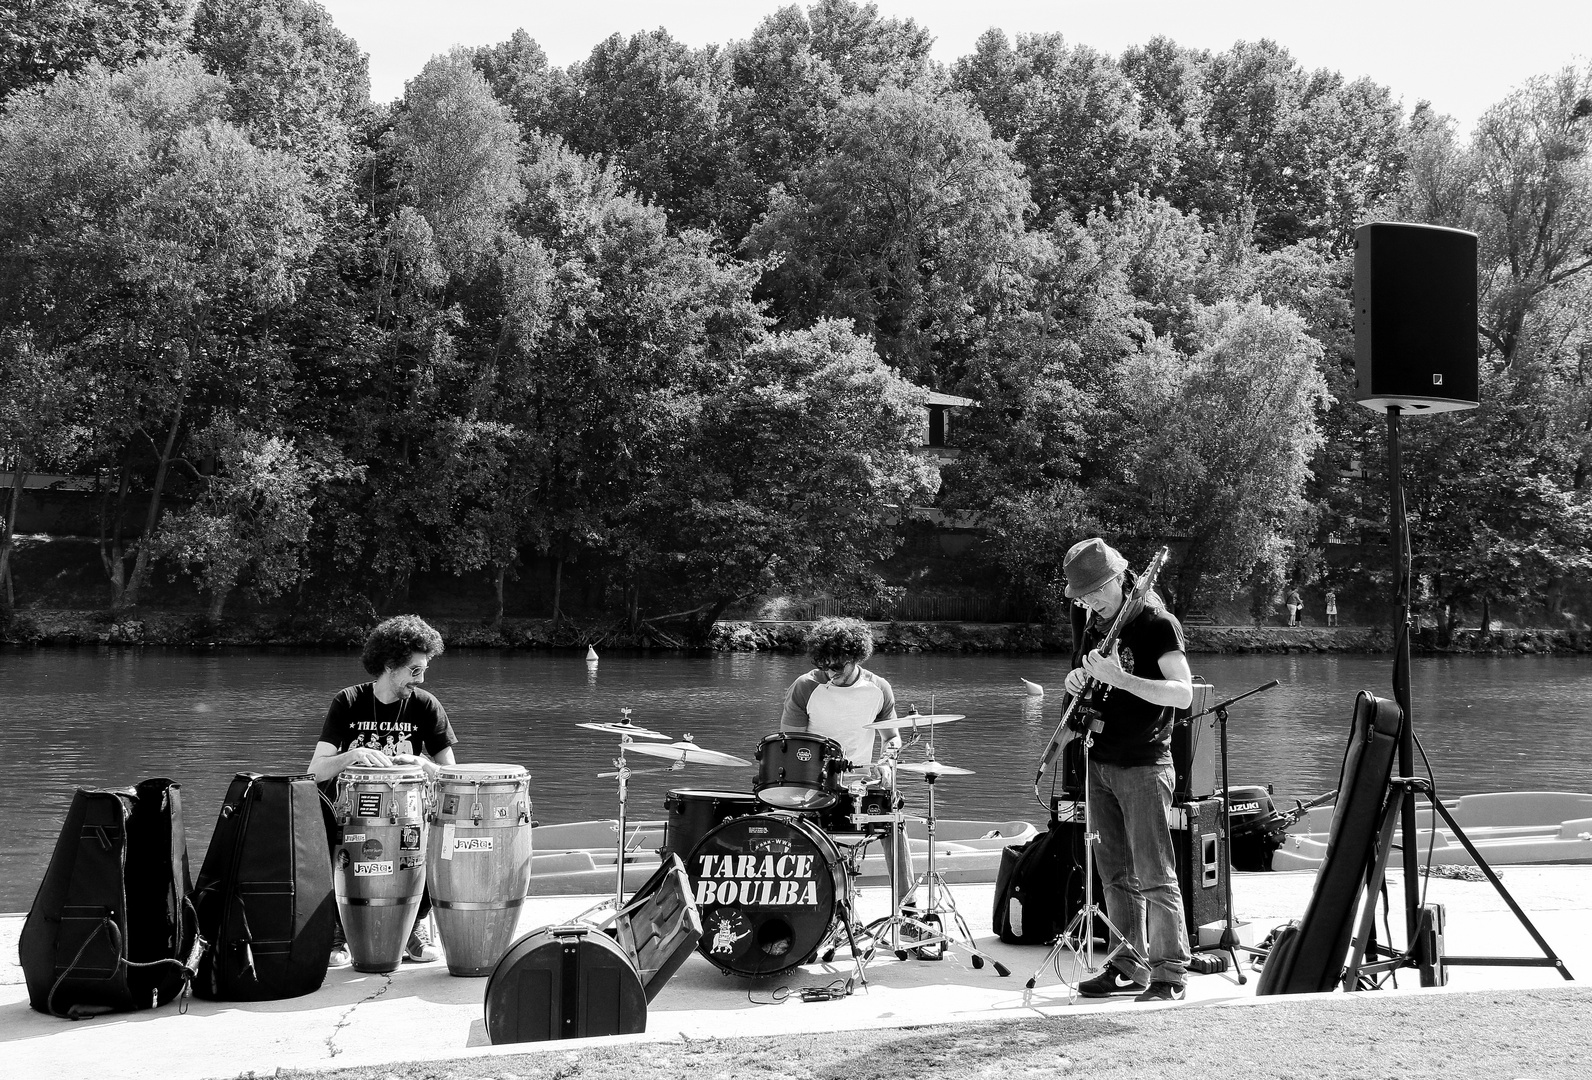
(380, 866)
(479, 861)
(770, 888)
(797, 770)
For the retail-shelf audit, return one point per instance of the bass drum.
(770, 888)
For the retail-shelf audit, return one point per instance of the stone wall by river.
(79, 628)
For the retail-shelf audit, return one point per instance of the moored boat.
(578, 858)
(1505, 827)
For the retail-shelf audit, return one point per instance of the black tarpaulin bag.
(264, 897)
(110, 928)
(1031, 888)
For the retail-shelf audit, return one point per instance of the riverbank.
(76, 628)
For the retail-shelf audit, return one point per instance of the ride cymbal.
(635, 731)
(916, 720)
(689, 754)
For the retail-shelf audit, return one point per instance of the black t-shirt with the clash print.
(412, 725)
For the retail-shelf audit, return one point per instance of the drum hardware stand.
(929, 924)
(622, 772)
(1229, 942)
(1082, 924)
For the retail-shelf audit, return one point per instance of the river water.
(110, 717)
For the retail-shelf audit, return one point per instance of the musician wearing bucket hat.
(1141, 683)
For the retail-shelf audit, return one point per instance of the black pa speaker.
(1414, 317)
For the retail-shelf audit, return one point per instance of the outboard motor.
(1257, 828)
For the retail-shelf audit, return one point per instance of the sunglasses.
(836, 668)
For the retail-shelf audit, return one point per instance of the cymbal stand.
(1082, 924)
(930, 924)
(622, 772)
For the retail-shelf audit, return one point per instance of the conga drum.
(479, 861)
(380, 866)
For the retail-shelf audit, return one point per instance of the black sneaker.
(1162, 991)
(1109, 983)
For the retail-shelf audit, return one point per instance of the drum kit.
(467, 833)
(774, 872)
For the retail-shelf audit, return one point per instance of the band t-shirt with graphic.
(409, 725)
(1137, 732)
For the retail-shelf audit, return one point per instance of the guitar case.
(1311, 959)
(110, 927)
(264, 897)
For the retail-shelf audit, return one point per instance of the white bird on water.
(1033, 688)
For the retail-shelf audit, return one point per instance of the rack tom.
(379, 869)
(479, 861)
(797, 770)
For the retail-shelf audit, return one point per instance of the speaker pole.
(1401, 668)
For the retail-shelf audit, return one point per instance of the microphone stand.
(1229, 940)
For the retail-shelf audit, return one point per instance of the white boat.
(578, 858)
(1505, 826)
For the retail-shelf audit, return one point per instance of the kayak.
(1505, 826)
(578, 858)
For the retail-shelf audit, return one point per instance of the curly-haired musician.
(837, 699)
(390, 721)
(1143, 681)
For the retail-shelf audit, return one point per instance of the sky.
(1438, 50)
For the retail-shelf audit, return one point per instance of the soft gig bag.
(264, 898)
(1032, 888)
(110, 928)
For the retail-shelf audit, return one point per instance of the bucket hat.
(1090, 564)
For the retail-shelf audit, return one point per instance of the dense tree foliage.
(670, 313)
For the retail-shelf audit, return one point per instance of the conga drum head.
(797, 770)
(769, 887)
(487, 773)
(692, 812)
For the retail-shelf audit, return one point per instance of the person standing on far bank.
(1332, 608)
(389, 721)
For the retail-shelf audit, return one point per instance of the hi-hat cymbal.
(635, 731)
(916, 720)
(932, 768)
(689, 754)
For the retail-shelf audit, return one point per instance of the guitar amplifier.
(1194, 747)
(1200, 849)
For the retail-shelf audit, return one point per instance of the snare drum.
(479, 861)
(871, 801)
(692, 813)
(770, 888)
(797, 770)
(380, 866)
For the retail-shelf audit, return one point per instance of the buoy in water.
(1033, 688)
(591, 654)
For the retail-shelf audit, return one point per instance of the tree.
(1215, 448)
(910, 224)
(252, 517)
(791, 474)
(178, 236)
(43, 39)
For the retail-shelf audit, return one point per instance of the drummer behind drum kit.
(774, 873)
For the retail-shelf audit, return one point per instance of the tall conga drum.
(380, 866)
(479, 861)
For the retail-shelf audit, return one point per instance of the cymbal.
(932, 768)
(916, 720)
(635, 731)
(689, 754)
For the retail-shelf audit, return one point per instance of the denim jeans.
(1137, 867)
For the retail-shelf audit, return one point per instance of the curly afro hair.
(398, 638)
(834, 640)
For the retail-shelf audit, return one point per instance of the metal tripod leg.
(932, 923)
(1083, 922)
